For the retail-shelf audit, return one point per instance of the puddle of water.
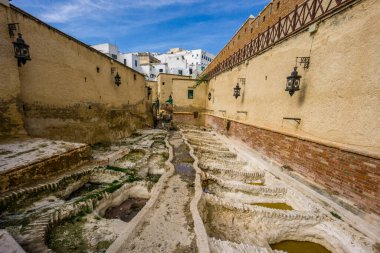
(280, 206)
(86, 188)
(127, 210)
(298, 247)
(185, 169)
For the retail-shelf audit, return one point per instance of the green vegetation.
(202, 79)
(153, 178)
(102, 246)
(68, 236)
(133, 156)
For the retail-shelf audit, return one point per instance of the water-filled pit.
(290, 246)
(127, 210)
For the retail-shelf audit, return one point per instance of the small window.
(180, 72)
(263, 19)
(202, 68)
(278, 5)
(114, 56)
(160, 70)
(190, 71)
(190, 94)
(135, 63)
(125, 61)
(134, 76)
(163, 83)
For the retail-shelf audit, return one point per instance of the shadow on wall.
(302, 94)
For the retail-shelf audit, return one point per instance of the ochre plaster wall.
(63, 94)
(339, 98)
(165, 85)
(11, 122)
(154, 86)
(180, 96)
(336, 144)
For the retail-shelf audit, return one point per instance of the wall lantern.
(293, 82)
(237, 91)
(209, 96)
(21, 50)
(117, 79)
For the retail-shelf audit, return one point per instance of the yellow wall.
(180, 96)
(339, 100)
(11, 122)
(153, 85)
(63, 94)
(165, 85)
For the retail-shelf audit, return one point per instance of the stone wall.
(337, 141)
(68, 90)
(11, 118)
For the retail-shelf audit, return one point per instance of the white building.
(131, 60)
(186, 62)
(176, 61)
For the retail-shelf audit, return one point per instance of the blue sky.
(147, 25)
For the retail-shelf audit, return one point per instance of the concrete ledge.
(8, 244)
(40, 169)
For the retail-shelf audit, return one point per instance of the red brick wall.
(353, 176)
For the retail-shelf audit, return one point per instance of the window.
(125, 61)
(134, 76)
(135, 63)
(163, 83)
(180, 72)
(202, 68)
(190, 94)
(160, 70)
(114, 56)
(278, 5)
(263, 19)
(190, 71)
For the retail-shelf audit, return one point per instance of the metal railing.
(303, 15)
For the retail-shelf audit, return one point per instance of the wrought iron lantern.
(21, 50)
(209, 96)
(237, 91)
(117, 79)
(293, 82)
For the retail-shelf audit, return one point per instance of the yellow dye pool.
(256, 183)
(299, 247)
(280, 206)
